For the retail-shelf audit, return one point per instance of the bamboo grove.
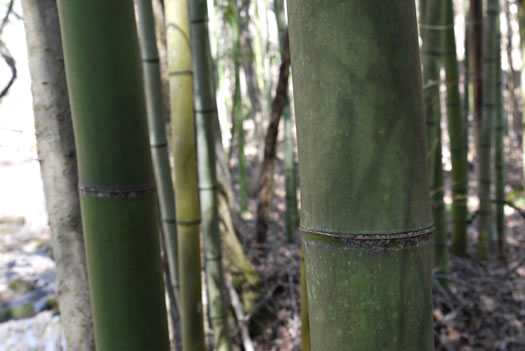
(177, 189)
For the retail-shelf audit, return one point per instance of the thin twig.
(239, 314)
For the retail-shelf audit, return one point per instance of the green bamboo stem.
(205, 113)
(185, 173)
(116, 182)
(457, 135)
(305, 318)
(521, 18)
(475, 56)
(58, 167)
(290, 172)
(490, 49)
(499, 155)
(238, 116)
(290, 177)
(433, 54)
(157, 135)
(365, 219)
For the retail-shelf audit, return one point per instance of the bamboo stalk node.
(181, 72)
(151, 60)
(159, 145)
(199, 20)
(189, 222)
(382, 242)
(116, 192)
(208, 110)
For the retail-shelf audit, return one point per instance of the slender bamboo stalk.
(457, 135)
(432, 30)
(499, 155)
(157, 134)
(58, 165)
(365, 219)
(488, 116)
(117, 187)
(475, 55)
(290, 176)
(521, 18)
(305, 318)
(205, 112)
(238, 116)
(185, 173)
(290, 172)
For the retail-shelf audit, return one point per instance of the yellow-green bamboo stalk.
(116, 182)
(206, 118)
(185, 173)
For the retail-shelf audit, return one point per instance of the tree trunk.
(116, 183)
(185, 174)
(264, 196)
(457, 134)
(365, 218)
(58, 165)
(488, 116)
(432, 30)
(206, 118)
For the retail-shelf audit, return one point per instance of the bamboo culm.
(237, 112)
(499, 155)
(185, 173)
(457, 135)
(365, 216)
(116, 182)
(433, 54)
(157, 135)
(206, 119)
(488, 116)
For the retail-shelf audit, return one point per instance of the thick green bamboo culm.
(488, 115)
(185, 173)
(237, 107)
(432, 54)
(206, 118)
(157, 134)
(366, 220)
(499, 156)
(116, 182)
(457, 135)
